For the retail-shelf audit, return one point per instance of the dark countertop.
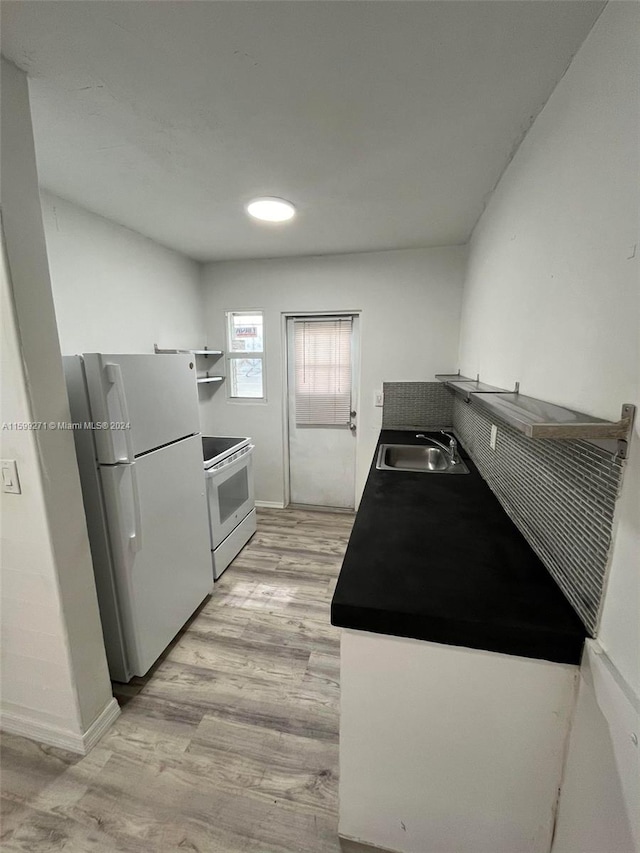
(435, 557)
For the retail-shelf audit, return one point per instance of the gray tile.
(416, 405)
(560, 494)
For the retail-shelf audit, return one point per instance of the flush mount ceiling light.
(269, 209)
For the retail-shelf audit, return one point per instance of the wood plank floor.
(230, 744)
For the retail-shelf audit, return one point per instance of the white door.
(159, 532)
(156, 394)
(322, 368)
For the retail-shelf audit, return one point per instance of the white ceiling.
(386, 123)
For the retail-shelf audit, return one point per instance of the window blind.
(323, 371)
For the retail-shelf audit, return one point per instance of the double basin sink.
(424, 459)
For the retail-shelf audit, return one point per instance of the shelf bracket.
(627, 415)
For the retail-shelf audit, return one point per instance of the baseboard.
(350, 845)
(304, 507)
(99, 726)
(317, 508)
(61, 738)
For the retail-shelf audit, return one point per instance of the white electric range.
(228, 469)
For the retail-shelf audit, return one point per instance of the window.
(245, 355)
(323, 371)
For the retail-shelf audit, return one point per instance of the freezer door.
(159, 533)
(156, 394)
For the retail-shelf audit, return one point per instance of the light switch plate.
(494, 436)
(10, 480)
(378, 398)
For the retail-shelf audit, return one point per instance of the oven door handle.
(212, 472)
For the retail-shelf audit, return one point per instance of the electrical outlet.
(378, 398)
(10, 481)
(494, 436)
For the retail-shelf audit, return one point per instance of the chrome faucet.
(452, 450)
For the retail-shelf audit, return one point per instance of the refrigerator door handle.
(135, 538)
(114, 375)
(122, 504)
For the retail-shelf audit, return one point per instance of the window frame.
(231, 355)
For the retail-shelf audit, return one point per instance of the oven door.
(230, 494)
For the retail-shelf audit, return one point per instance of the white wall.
(410, 303)
(598, 810)
(552, 299)
(36, 668)
(551, 296)
(55, 682)
(114, 290)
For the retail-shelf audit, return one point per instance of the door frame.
(285, 316)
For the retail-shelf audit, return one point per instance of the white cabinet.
(450, 750)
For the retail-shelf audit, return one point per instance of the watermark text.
(30, 426)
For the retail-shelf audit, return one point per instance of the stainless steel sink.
(417, 457)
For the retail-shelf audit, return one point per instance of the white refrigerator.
(144, 496)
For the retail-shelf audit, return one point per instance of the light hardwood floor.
(230, 745)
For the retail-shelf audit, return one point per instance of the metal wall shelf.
(465, 386)
(539, 419)
(452, 377)
(205, 352)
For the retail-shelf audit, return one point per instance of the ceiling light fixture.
(269, 209)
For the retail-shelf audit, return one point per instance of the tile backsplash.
(416, 405)
(560, 494)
